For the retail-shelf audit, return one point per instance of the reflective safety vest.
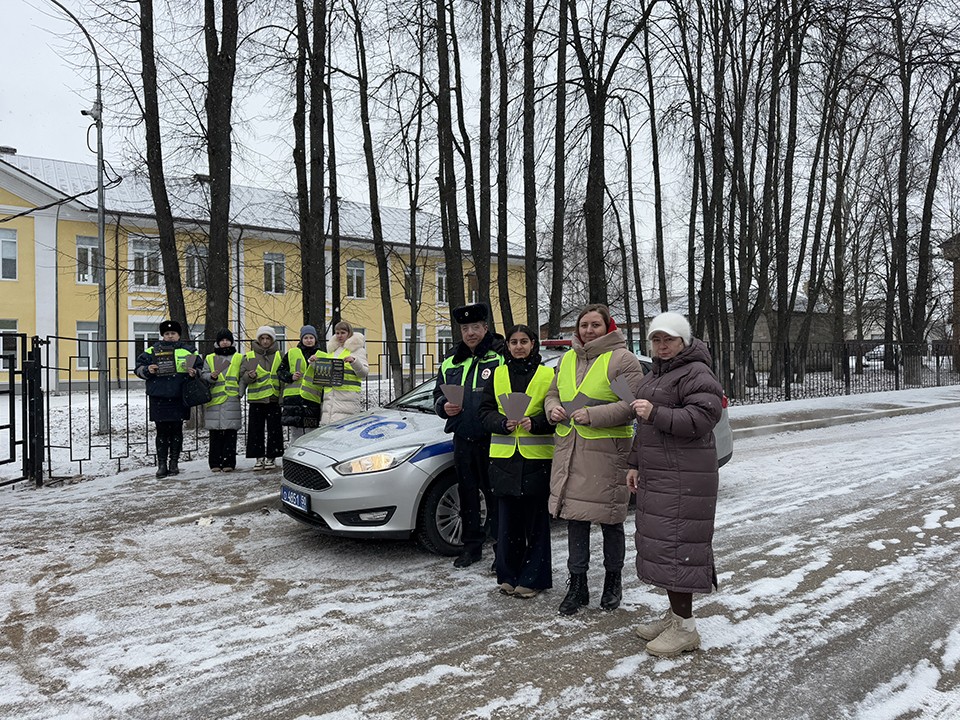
(180, 357)
(532, 447)
(305, 387)
(227, 384)
(351, 381)
(596, 386)
(490, 361)
(267, 384)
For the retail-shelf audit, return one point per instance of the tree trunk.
(221, 50)
(559, 177)
(376, 223)
(503, 276)
(155, 170)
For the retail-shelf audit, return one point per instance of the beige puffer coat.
(589, 477)
(338, 404)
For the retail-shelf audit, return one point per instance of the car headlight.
(377, 462)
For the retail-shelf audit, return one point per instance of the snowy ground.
(838, 551)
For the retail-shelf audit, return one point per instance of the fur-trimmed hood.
(353, 343)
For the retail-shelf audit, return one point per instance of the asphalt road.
(838, 551)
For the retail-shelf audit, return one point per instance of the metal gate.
(21, 410)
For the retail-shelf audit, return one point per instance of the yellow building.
(49, 265)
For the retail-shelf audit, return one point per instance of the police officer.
(164, 384)
(471, 366)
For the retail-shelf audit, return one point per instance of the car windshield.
(420, 399)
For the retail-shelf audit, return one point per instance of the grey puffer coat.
(228, 415)
(675, 453)
(588, 480)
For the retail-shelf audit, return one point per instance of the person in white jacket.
(345, 400)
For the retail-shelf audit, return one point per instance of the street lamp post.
(96, 112)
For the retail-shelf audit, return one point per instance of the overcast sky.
(41, 95)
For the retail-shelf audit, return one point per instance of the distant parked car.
(876, 353)
(388, 472)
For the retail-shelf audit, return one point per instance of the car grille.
(304, 476)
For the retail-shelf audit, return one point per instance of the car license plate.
(295, 499)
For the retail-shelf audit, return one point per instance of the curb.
(839, 420)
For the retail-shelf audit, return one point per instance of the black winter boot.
(163, 444)
(577, 596)
(612, 590)
(176, 444)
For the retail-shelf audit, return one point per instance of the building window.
(88, 349)
(441, 284)
(416, 347)
(8, 345)
(473, 288)
(274, 273)
(145, 264)
(8, 254)
(89, 262)
(281, 331)
(144, 335)
(444, 341)
(196, 267)
(411, 284)
(356, 279)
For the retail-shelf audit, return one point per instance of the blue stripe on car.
(432, 450)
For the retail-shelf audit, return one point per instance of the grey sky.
(41, 95)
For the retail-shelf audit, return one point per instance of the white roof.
(252, 207)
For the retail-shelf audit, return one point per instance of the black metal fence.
(21, 410)
(769, 372)
(60, 424)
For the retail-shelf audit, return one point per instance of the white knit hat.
(267, 330)
(673, 324)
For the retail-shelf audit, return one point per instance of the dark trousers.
(523, 547)
(223, 449)
(264, 417)
(578, 543)
(472, 460)
(169, 439)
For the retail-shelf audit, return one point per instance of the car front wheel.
(438, 522)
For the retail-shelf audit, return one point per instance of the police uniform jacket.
(516, 475)
(166, 391)
(472, 369)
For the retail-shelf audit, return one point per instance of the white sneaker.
(270, 464)
(260, 464)
(650, 631)
(680, 637)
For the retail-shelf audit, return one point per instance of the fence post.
(786, 370)
(845, 359)
(35, 448)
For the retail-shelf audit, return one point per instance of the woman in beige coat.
(588, 480)
(343, 401)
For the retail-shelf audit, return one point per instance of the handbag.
(196, 391)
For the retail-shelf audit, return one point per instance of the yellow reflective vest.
(305, 387)
(530, 446)
(267, 384)
(596, 386)
(227, 384)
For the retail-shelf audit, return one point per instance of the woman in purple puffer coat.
(673, 470)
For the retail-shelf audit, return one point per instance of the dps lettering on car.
(369, 426)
